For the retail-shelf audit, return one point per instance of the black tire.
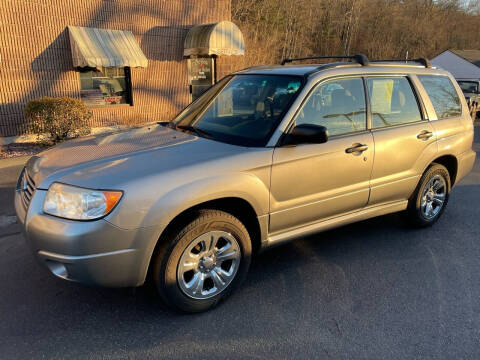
(172, 246)
(415, 214)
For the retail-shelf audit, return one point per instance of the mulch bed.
(13, 150)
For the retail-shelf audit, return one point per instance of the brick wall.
(36, 59)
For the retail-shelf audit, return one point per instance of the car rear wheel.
(199, 264)
(430, 197)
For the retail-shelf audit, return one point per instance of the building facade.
(38, 57)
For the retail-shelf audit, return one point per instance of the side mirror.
(307, 134)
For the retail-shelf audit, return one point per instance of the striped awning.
(97, 48)
(222, 38)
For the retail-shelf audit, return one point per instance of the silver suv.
(267, 155)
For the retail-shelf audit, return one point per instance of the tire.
(418, 214)
(192, 254)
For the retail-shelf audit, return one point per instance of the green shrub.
(61, 118)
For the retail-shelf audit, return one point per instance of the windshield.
(241, 109)
(469, 86)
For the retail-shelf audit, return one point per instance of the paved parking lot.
(372, 290)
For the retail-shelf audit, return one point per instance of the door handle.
(425, 135)
(356, 148)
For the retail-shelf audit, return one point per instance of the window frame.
(456, 90)
(128, 88)
(321, 82)
(416, 94)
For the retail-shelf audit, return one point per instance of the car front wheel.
(201, 263)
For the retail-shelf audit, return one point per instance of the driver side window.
(339, 105)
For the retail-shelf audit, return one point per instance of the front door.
(312, 182)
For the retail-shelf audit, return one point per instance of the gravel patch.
(14, 150)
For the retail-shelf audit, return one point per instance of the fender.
(243, 185)
(176, 196)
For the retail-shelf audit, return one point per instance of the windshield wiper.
(200, 132)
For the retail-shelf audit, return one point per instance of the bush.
(61, 118)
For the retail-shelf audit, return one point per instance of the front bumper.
(91, 252)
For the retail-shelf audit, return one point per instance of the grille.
(28, 189)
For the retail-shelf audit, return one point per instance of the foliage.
(275, 29)
(61, 118)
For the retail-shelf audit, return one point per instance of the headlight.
(76, 203)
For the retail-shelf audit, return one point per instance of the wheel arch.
(451, 164)
(236, 206)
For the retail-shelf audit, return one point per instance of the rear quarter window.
(443, 95)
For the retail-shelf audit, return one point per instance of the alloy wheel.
(208, 264)
(433, 196)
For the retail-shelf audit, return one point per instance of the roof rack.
(359, 58)
(423, 61)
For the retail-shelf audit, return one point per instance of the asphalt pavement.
(371, 290)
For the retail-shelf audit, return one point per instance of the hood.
(87, 161)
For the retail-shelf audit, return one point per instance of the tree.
(275, 29)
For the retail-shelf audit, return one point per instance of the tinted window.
(244, 110)
(392, 101)
(469, 86)
(339, 105)
(443, 95)
(105, 87)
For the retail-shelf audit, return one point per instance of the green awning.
(222, 38)
(97, 48)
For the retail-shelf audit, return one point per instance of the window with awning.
(103, 59)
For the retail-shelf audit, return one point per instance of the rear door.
(311, 182)
(404, 139)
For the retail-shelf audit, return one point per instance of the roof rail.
(359, 58)
(423, 61)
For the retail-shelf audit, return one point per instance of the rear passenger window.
(443, 95)
(392, 101)
(339, 105)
